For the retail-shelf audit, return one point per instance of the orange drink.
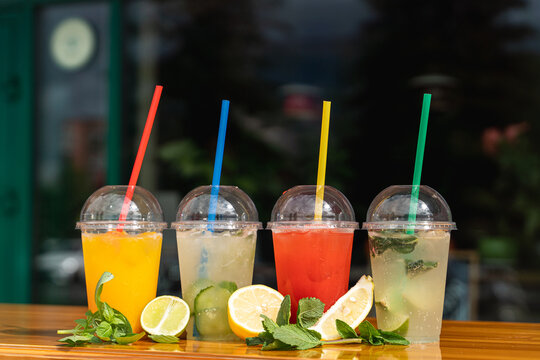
(130, 249)
(133, 259)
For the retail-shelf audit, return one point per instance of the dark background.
(276, 61)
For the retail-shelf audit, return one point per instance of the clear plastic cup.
(129, 249)
(216, 257)
(313, 257)
(409, 260)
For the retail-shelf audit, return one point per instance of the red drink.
(313, 263)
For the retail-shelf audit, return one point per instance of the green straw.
(419, 161)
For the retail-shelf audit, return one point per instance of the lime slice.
(393, 321)
(165, 315)
(229, 285)
(403, 328)
(211, 317)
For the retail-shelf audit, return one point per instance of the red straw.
(140, 154)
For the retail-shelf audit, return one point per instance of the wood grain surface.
(29, 331)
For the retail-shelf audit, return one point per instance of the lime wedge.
(403, 328)
(165, 315)
(398, 323)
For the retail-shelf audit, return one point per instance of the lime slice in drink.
(165, 315)
(229, 285)
(211, 317)
(195, 289)
(393, 321)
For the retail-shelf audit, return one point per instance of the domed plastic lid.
(296, 209)
(234, 209)
(390, 210)
(102, 210)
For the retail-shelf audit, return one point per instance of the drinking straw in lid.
(419, 160)
(140, 154)
(219, 160)
(323, 150)
(214, 191)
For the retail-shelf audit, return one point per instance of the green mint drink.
(409, 261)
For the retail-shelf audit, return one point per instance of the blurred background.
(77, 78)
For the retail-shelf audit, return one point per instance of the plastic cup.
(313, 257)
(216, 257)
(409, 261)
(129, 249)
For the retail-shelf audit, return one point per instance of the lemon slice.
(247, 304)
(165, 315)
(352, 308)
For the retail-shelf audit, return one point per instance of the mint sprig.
(281, 335)
(106, 325)
(418, 267)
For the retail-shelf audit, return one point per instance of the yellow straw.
(323, 150)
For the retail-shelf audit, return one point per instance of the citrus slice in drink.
(352, 308)
(211, 312)
(194, 290)
(246, 306)
(395, 322)
(165, 315)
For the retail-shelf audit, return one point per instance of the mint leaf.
(310, 311)
(75, 340)
(120, 317)
(107, 312)
(105, 277)
(396, 240)
(82, 322)
(277, 345)
(392, 338)
(266, 337)
(165, 339)
(369, 333)
(118, 333)
(268, 324)
(379, 337)
(130, 338)
(418, 267)
(104, 331)
(252, 341)
(229, 285)
(345, 331)
(284, 313)
(297, 336)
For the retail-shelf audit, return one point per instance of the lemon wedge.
(352, 308)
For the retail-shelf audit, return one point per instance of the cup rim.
(113, 224)
(312, 224)
(417, 225)
(217, 224)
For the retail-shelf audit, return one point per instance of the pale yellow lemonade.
(212, 265)
(133, 259)
(409, 271)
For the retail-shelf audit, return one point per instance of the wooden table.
(29, 331)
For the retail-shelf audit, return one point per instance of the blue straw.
(219, 160)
